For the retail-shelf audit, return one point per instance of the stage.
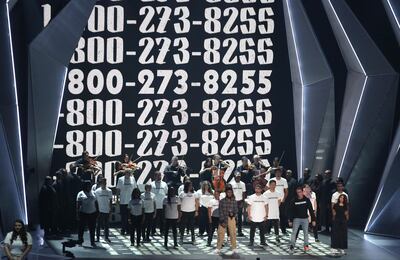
(360, 247)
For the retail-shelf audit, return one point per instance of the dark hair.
(186, 186)
(344, 199)
(171, 193)
(299, 188)
(22, 233)
(209, 190)
(87, 185)
(135, 194)
(272, 181)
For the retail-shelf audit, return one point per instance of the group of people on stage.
(264, 197)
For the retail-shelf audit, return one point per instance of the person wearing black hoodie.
(299, 208)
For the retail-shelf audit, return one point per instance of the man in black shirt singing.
(299, 210)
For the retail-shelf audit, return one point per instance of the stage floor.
(360, 248)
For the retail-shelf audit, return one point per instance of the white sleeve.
(78, 196)
(285, 186)
(244, 187)
(28, 239)
(333, 199)
(7, 240)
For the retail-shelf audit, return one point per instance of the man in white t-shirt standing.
(257, 211)
(125, 186)
(160, 190)
(104, 198)
(274, 200)
(282, 188)
(239, 190)
(339, 191)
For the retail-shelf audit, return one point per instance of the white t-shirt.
(273, 199)
(257, 209)
(126, 186)
(204, 199)
(148, 201)
(88, 202)
(313, 200)
(335, 196)
(188, 201)
(281, 185)
(135, 207)
(214, 205)
(160, 189)
(238, 189)
(180, 189)
(103, 199)
(17, 247)
(171, 208)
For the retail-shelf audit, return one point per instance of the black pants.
(87, 220)
(171, 223)
(213, 226)
(123, 208)
(159, 221)
(187, 221)
(273, 223)
(103, 222)
(148, 221)
(261, 227)
(240, 216)
(136, 227)
(283, 221)
(203, 220)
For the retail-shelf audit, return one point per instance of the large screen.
(190, 78)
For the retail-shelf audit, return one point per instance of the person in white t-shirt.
(104, 198)
(205, 194)
(239, 190)
(18, 243)
(86, 212)
(189, 208)
(213, 216)
(136, 216)
(160, 189)
(180, 188)
(339, 191)
(125, 186)
(257, 212)
(274, 200)
(172, 210)
(282, 188)
(313, 198)
(150, 213)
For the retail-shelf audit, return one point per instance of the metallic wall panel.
(392, 8)
(312, 84)
(368, 108)
(384, 216)
(49, 56)
(12, 169)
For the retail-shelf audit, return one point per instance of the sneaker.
(93, 245)
(240, 234)
(317, 240)
(263, 243)
(176, 246)
(306, 248)
(217, 251)
(107, 240)
(208, 244)
(132, 244)
(250, 244)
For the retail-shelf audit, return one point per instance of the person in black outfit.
(206, 172)
(48, 207)
(246, 175)
(173, 173)
(292, 184)
(340, 214)
(298, 217)
(324, 204)
(306, 177)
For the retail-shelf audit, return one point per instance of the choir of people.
(262, 196)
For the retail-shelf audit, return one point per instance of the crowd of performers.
(262, 197)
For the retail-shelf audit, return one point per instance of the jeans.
(136, 226)
(159, 221)
(297, 222)
(87, 220)
(103, 222)
(123, 210)
(171, 223)
(261, 227)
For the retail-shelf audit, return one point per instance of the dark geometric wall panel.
(11, 170)
(385, 214)
(49, 56)
(312, 90)
(392, 8)
(368, 107)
